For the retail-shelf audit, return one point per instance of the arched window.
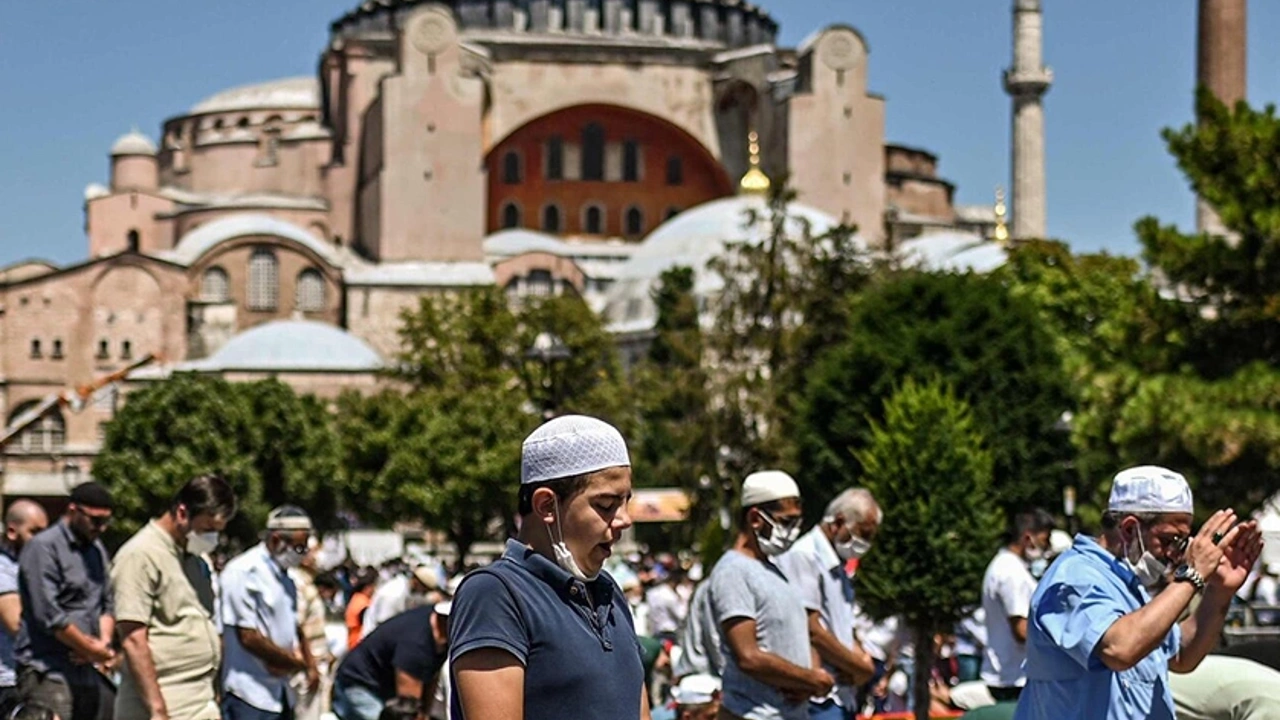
(675, 170)
(45, 435)
(593, 152)
(242, 123)
(510, 216)
(631, 161)
(551, 219)
(264, 281)
(104, 350)
(593, 220)
(555, 158)
(36, 352)
(635, 221)
(214, 286)
(310, 292)
(539, 283)
(126, 350)
(511, 174)
(134, 240)
(57, 350)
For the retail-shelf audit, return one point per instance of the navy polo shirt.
(403, 643)
(576, 640)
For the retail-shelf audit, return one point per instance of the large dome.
(952, 251)
(293, 345)
(296, 93)
(692, 239)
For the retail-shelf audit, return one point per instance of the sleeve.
(8, 577)
(804, 576)
(731, 596)
(1015, 595)
(41, 576)
(239, 601)
(486, 615)
(136, 583)
(1076, 613)
(108, 592)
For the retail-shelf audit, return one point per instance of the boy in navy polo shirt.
(544, 633)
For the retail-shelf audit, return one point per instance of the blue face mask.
(1038, 567)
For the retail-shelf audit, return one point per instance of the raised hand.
(1240, 551)
(1205, 551)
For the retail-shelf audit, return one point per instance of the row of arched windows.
(592, 160)
(263, 292)
(593, 219)
(56, 353)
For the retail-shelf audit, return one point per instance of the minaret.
(1027, 82)
(1220, 66)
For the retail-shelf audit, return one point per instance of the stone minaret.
(1220, 66)
(1027, 82)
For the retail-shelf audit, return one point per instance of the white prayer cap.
(696, 689)
(288, 517)
(1150, 489)
(767, 486)
(569, 446)
(444, 608)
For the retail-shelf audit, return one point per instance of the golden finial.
(1002, 211)
(755, 182)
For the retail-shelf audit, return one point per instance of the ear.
(544, 504)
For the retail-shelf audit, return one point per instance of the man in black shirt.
(400, 658)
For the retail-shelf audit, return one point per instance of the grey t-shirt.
(742, 587)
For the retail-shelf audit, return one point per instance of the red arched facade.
(599, 170)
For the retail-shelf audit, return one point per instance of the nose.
(622, 520)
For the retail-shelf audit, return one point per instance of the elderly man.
(164, 608)
(1007, 586)
(769, 671)
(1098, 645)
(815, 566)
(265, 645)
(544, 633)
(68, 621)
(23, 521)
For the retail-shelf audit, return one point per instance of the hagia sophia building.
(546, 146)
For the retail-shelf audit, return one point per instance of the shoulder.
(488, 584)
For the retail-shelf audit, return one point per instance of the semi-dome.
(93, 191)
(133, 143)
(723, 23)
(952, 251)
(692, 239)
(295, 93)
(293, 345)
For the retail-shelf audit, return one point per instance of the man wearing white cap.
(769, 671)
(697, 697)
(543, 632)
(1098, 645)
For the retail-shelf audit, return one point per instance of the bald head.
(22, 521)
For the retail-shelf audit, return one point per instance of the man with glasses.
(164, 607)
(264, 643)
(1099, 646)
(64, 644)
(769, 669)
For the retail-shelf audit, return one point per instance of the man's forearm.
(107, 628)
(138, 652)
(76, 640)
(1200, 631)
(777, 672)
(268, 652)
(1136, 635)
(854, 663)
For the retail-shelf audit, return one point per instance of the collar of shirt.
(70, 536)
(265, 559)
(822, 548)
(1091, 550)
(165, 538)
(556, 576)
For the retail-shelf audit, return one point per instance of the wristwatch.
(1186, 573)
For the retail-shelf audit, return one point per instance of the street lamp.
(548, 349)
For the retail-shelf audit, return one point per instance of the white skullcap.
(1150, 489)
(1060, 541)
(767, 486)
(287, 517)
(569, 446)
(696, 689)
(444, 608)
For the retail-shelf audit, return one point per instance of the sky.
(76, 74)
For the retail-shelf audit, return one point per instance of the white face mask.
(779, 540)
(201, 543)
(854, 547)
(287, 558)
(564, 558)
(1149, 569)
(1033, 554)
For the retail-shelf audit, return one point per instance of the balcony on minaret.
(1023, 83)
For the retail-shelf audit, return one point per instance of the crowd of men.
(559, 627)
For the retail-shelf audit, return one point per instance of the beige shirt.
(161, 586)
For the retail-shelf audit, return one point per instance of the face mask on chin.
(564, 558)
(1149, 569)
(779, 540)
(202, 543)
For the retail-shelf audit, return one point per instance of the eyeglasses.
(98, 521)
(1174, 541)
(784, 523)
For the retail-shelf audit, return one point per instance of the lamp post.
(548, 349)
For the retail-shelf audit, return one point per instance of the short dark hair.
(363, 578)
(328, 581)
(565, 489)
(1032, 520)
(401, 708)
(31, 711)
(206, 494)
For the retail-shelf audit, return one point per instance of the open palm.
(1239, 554)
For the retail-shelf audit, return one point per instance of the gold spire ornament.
(755, 182)
(1002, 212)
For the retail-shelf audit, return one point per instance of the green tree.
(271, 444)
(966, 329)
(928, 468)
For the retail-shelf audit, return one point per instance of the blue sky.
(76, 74)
